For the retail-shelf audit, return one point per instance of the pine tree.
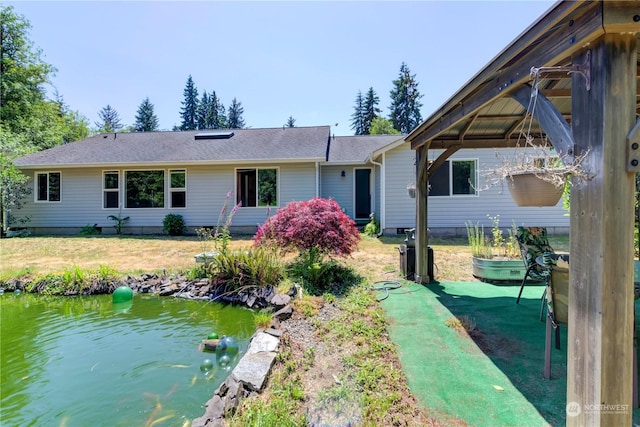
(202, 112)
(189, 106)
(235, 120)
(370, 110)
(291, 122)
(146, 119)
(109, 120)
(357, 122)
(217, 112)
(405, 101)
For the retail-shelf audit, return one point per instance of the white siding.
(450, 214)
(338, 187)
(400, 169)
(207, 188)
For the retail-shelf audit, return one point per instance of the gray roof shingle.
(356, 149)
(276, 144)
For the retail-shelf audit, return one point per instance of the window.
(111, 189)
(454, 178)
(144, 189)
(48, 187)
(257, 187)
(178, 188)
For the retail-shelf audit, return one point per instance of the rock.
(252, 370)
(263, 342)
(280, 300)
(284, 313)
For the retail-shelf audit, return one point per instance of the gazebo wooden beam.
(601, 295)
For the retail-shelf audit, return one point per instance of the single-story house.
(146, 175)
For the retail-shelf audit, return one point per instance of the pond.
(84, 361)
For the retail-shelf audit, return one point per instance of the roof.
(484, 113)
(134, 148)
(358, 149)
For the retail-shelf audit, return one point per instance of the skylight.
(214, 135)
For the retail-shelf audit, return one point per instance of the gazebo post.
(601, 304)
(422, 238)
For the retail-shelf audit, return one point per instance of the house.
(146, 175)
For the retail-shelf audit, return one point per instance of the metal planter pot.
(498, 270)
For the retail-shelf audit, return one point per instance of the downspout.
(382, 193)
(317, 179)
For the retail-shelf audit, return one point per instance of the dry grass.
(127, 254)
(375, 259)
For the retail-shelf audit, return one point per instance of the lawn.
(141, 254)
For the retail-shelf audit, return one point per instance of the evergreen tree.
(189, 106)
(217, 112)
(357, 122)
(203, 112)
(291, 122)
(370, 110)
(146, 119)
(235, 120)
(405, 101)
(109, 120)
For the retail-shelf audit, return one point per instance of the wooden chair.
(557, 299)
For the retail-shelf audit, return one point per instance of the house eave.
(167, 163)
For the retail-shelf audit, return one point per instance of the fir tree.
(370, 110)
(109, 120)
(405, 101)
(357, 122)
(189, 106)
(203, 118)
(217, 112)
(235, 120)
(291, 122)
(146, 119)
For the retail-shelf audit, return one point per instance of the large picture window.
(48, 186)
(178, 188)
(111, 189)
(257, 187)
(144, 189)
(454, 178)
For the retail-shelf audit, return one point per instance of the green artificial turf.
(492, 377)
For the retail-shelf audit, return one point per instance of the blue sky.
(279, 59)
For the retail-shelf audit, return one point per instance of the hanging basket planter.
(531, 189)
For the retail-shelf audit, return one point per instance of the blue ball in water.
(228, 345)
(122, 294)
(206, 365)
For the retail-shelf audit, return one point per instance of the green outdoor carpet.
(493, 378)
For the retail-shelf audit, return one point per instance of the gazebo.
(585, 59)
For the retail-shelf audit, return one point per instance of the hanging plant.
(536, 175)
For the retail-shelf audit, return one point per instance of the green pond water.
(84, 361)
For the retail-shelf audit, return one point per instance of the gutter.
(382, 192)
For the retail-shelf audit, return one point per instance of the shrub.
(173, 225)
(373, 227)
(319, 277)
(90, 230)
(253, 267)
(316, 224)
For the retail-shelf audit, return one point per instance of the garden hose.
(385, 285)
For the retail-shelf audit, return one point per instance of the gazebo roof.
(484, 114)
